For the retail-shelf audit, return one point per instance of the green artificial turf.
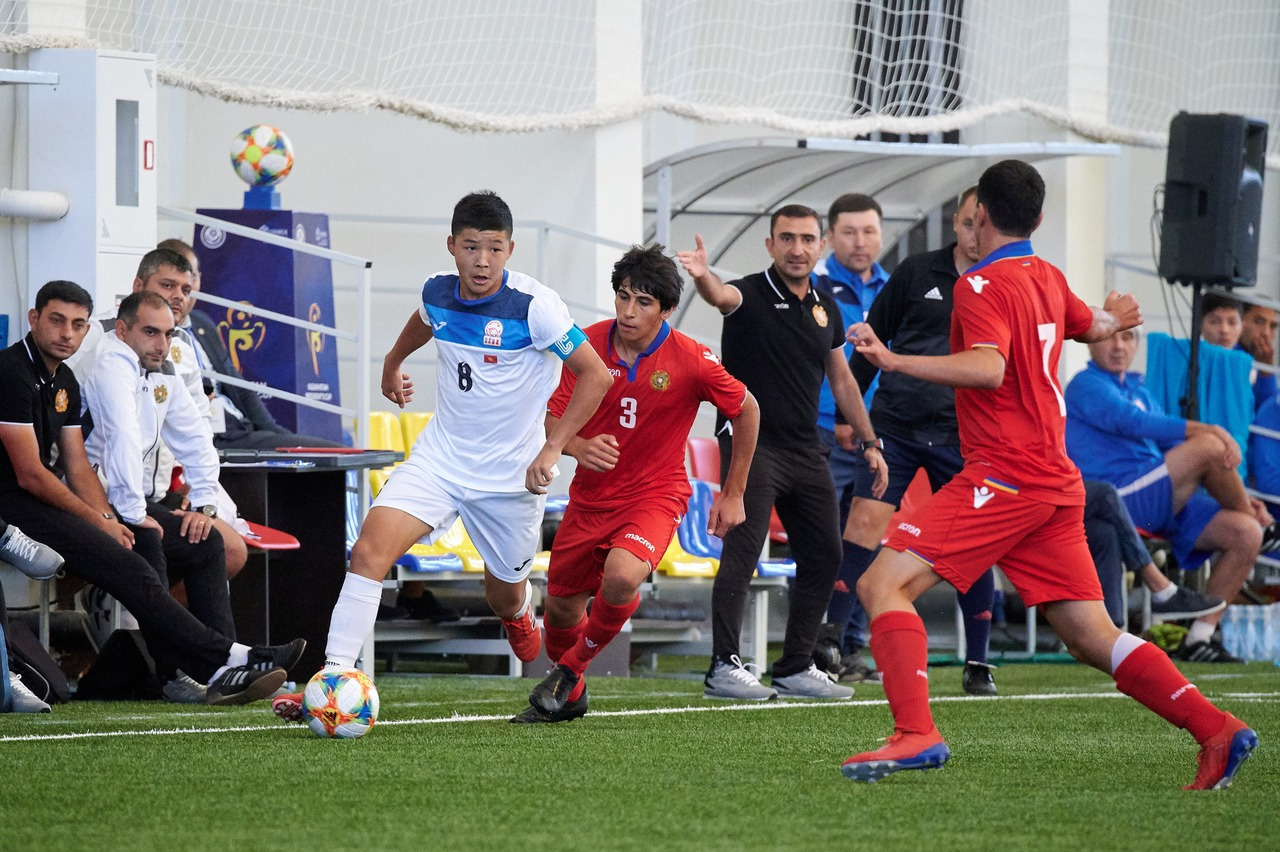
(1058, 761)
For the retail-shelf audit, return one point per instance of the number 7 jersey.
(649, 409)
(1021, 306)
(494, 373)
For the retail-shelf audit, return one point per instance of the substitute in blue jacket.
(1117, 432)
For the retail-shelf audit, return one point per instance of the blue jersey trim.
(1019, 248)
(662, 335)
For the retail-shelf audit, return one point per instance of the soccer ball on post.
(262, 155)
(340, 703)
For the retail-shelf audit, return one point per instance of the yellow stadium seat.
(677, 562)
(411, 425)
(384, 433)
(457, 542)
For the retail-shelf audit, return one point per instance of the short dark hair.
(129, 306)
(1213, 301)
(852, 202)
(63, 291)
(156, 258)
(482, 210)
(964, 196)
(175, 244)
(649, 271)
(794, 211)
(1013, 194)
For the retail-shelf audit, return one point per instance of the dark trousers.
(95, 557)
(1113, 543)
(202, 566)
(798, 483)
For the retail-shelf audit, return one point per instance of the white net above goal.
(836, 68)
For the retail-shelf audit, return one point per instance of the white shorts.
(505, 526)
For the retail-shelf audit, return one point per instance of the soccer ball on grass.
(262, 155)
(340, 703)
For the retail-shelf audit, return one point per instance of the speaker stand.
(1191, 402)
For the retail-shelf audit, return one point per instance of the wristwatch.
(862, 445)
(109, 516)
(209, 511)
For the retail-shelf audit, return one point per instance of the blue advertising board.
(286, 357)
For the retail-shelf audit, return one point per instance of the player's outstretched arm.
(1120, 311)
(712, 290)
(972, 368)
(396, 385)
(727, 510)
(592, 383)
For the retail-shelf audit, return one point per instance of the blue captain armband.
(568, 342)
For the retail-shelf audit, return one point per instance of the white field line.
(605, 714)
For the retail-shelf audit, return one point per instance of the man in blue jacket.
(1117, 432)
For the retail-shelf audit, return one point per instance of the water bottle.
(1271, 632)
(1233, 631)
(1255, 643)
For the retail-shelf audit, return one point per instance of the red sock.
(1150, 677)
(561, 639)
(901, 648)
(604, 623)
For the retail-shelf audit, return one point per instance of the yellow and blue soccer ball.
(262, 155)
(340, 703)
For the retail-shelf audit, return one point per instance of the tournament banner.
(283, 356)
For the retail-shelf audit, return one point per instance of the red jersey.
(649, 410)
(1020, 305)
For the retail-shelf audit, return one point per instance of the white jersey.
(494, 374)
(132, 412)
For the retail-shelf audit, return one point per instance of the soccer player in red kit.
(1019, 500)
(631, 489)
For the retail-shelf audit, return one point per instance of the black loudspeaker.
(1212, 200)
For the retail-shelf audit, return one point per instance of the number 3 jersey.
(494, 372)
(1021, 306)
(649, 409)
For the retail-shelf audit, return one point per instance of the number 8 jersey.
(494, 373)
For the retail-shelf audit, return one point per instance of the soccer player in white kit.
(482, 457)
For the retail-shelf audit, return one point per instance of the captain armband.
(568, 342)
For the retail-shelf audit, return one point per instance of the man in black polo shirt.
(40, 410)
(781, 337)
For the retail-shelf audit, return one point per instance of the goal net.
(834, 68)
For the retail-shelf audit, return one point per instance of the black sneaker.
(242, 684)
(286, 656)
(854, 669)
(1209, 651)
(550, 695)
(978, 679)
(1270, 537)
(1186, 604)
(570, 711)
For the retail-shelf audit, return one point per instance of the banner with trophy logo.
(282, 356)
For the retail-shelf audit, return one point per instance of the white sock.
(1125, 645)
(528, 599)
(1164, 594)
(1201, 631)
(239, 655)
(352, 619)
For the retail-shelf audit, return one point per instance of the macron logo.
(1183, 689)
(981, 496)
(935, 295)
(978, 283)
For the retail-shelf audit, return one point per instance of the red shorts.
(584, 540)
(975, 522)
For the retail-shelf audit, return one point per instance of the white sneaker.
(38, 561)
(810, 683)
(24, 700)
(732, 680)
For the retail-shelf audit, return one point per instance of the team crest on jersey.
(60, 401)
(493, 333)
(175, 354)
(660, 380)
(161, 393)
(820, 315)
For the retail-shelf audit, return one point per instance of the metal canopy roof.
(727, 190)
